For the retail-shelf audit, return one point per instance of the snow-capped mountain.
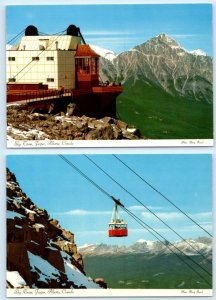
(163, 63)
(202, 245)
(150, 264)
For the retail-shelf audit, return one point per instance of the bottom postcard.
(109, 225)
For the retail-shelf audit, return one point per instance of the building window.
(94, 65)
(11, 58)
(50, 79)
(50, 58)
(35, 58)
(12, 80)
(84, 65)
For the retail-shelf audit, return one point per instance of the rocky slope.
(24, 125)
(163, 63)
(40, 253)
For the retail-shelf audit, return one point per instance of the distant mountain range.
(150, 265)
(202, 244)
(162, 62)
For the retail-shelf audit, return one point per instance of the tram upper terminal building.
(51, 59)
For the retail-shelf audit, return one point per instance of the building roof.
(53, 42)
(85, 50)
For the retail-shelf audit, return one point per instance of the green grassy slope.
(143, 271)
(158, 115)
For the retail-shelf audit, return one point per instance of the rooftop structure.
(46, 59)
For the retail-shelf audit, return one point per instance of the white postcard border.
(15, 144)
(64, 293)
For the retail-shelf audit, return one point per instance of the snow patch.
(149, 243)
(15, 279)
(86, 246)
(79, 279)
(198, 52)
(25, 134)
(38, 225)
(63, 118)
(13, 214)
(46, 271)
(74, 274)
(18, 199)
(131, 130)
(28, 211)
(17, 226)
(34, 242)
(108, 54)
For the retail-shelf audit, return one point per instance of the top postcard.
(109, 75)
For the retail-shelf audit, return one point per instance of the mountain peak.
(163, 37)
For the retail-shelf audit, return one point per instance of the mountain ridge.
(202, 244)
(161, 61)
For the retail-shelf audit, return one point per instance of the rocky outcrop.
(24, 125)
(40, 253)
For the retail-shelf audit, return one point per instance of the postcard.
(77, 227)
(107, 75)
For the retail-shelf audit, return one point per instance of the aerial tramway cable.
(156, 190)
(62, 32)
(129, 193)
(16, 37)
(147, 227)
(139, 221)
(136, 218)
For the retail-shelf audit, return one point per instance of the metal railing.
(36, 95)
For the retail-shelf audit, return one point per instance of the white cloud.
(108, 33)
(176, 216)
(142, 208)
(82, 212)
(136, 207)
(192, 228)
(91, 233)
(182, 36)
(164, 216)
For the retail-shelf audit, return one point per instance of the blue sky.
(119, 27)
(81, 208)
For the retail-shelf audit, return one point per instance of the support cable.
(156, 190)
(16, 37)
(117, 201)
(146, 207)
(36, 56)
(85, 176)
(138, 220)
